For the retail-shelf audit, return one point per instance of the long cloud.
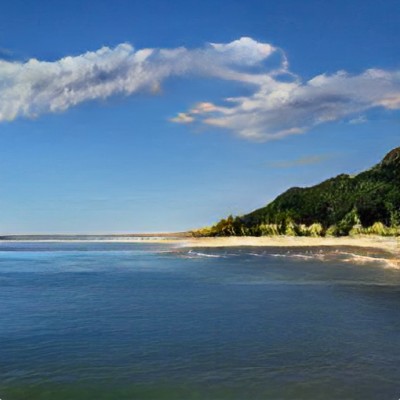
(281, 103)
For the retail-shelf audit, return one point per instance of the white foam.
(198, 254)
(361, 259)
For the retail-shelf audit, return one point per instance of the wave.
(256, 254)
(312, 256)
(197, 254)
(364, 259)
(337, 255)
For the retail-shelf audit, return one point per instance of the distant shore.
(94, 237)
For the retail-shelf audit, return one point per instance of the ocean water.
(84, 320)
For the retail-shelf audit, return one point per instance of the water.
(152, 321)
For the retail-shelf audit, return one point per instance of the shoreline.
(387, 243)
(391, 244)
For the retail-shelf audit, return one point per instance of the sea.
(104, 319)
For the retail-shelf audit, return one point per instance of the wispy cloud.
(300, 162)
(182, 118)
(5, 53)
(361, 119)
(35, 87)
(279, 108)
(281, 104)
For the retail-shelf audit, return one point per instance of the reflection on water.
(153, 321)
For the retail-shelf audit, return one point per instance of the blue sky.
(127, 139)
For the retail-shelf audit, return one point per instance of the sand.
(390, 244)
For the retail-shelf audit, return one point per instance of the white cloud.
(35, 87)
(201, 108)
(182, 118)
(281, 104)
(278, 108)
(244, 51)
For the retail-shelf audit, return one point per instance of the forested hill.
(366, 203)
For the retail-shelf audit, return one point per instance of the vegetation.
(368, 203)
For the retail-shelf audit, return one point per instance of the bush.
(348, 222)
(302, 230)
(332, 231)
(268, 229)
(378, 229)
(316, 230)
(290, 229)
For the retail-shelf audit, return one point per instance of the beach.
(184, 239)
(360, 249)
(388, 248)
(391, 244)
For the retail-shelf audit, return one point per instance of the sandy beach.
(388, 245)
(391, 244)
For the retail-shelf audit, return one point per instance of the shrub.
(316, 230)
(332, 231)
(378, 229)
(268, 229)
(290, 228)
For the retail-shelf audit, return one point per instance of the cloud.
(182, 118)
(36, 87)
(300, 162)
(5, 53)
(279, 108)
(281, 103)
(361, 119)
(202, 108)
(244, 51)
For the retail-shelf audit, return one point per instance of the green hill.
(366, 203)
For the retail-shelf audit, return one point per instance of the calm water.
(149, 321)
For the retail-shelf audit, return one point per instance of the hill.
(366, 203)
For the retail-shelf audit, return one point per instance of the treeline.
(368, 203)
(234, 226)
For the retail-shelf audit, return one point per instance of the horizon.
(123, 118)
(142, 233)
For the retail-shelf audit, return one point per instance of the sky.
(155, 116)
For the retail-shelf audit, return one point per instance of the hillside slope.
(334, 206)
